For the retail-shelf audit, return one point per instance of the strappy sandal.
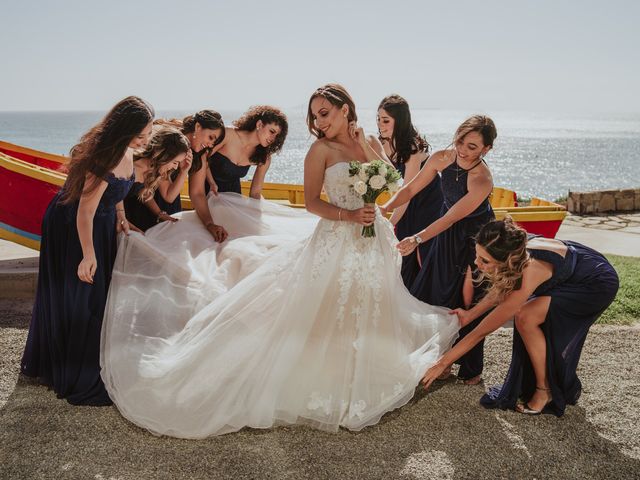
(525, 409)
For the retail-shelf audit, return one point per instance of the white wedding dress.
(294, 319)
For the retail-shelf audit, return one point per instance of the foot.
(473, 380)
(446, 374)
(536, 404)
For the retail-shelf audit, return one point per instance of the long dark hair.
(101, 149)
(268, 114)
(405, 140)
(165, 145)
(335, 94)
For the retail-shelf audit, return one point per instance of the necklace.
(461, 169)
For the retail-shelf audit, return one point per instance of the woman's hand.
(122, 225)
(218, 232)
(87, 268)
(407, 246)
(363, 216)
(213, 187)
(433, 373)
(185, 164)
(165, 217)
(383, 211)
(357, 133)
(464, 316)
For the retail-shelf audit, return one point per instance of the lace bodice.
(338, 187)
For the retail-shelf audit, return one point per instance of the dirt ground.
(443, 434)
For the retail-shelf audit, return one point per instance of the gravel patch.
(442, 434)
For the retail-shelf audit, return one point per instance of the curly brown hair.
(335, 94)
(165, 145)
(267, 114)
(103, 146)
(506, 242)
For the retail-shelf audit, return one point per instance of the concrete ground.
(443, 434)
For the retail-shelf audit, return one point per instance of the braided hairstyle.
(506, 242)
(209, 119)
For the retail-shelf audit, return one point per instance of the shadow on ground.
(442, 434)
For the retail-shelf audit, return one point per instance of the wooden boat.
(30, 178)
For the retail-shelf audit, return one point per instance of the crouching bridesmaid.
(556, 290)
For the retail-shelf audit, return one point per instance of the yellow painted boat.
(30, 178)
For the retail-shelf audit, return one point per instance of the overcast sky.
(567, 56)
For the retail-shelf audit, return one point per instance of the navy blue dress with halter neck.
(581, 288)
(452, 252)
(63, 345)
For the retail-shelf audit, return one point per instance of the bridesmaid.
(253, 139)
(77, 252)
(408, 151)
(167, 151)
(445, 278)
(556, 290)
(204, 130)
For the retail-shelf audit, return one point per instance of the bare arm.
(170, 189)
(479, 188)
(412, 167)
(258, 179)
(200, 205)
(423, 178)
(84, 223)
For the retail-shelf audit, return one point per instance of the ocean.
(535, 154)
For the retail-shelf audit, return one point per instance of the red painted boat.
(29, 179)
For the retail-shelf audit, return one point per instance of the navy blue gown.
(423, 209)
(452, 252)
(63, 345)
(581, 288)
(226, 173)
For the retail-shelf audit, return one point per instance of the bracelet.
(119, 209)
(340, 215)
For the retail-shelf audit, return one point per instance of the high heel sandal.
(525, 409)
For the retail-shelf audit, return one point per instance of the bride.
(293, 319)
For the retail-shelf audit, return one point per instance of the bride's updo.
(506, 242)
(335, 94)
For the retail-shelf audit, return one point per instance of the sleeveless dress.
(293, 319)
(423, 209)
(442, 274)
(136, 211)
(62, 348)
(581, 288)
(226, 173)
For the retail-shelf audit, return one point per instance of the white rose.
(394, 187)
(377, 182)
(353, 179)
(360, 187)
(362, 174)
(382, 170)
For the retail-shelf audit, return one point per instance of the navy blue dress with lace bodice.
(582, 286)
(441, 277)
(63, 345)
(226, 174)
(423, 209)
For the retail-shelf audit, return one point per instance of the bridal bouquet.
(370, 180)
